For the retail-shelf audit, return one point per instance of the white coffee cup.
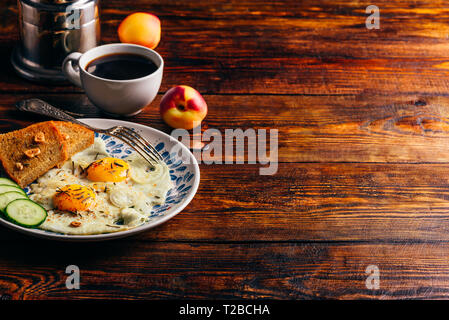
(117, 97)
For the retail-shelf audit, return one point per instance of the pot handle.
(71, 68)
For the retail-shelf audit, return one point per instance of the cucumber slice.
(7, 197)
(9, 182)
(7, 188)
(25, 213)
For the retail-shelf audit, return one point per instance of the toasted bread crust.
(76, 137)
(28, 153)
(17, 144)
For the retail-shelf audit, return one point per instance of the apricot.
(140, 28)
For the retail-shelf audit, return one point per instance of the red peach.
(183, 107)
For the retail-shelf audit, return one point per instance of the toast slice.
(76, 137)
(28, 153)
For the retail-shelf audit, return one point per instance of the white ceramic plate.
(184, 172)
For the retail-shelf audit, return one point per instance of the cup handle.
(71, 68)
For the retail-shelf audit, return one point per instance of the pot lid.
(56, 1)
(58, 14)
(53, 4)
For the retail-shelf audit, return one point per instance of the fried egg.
(94, 193)
(74, 198)
(108, 170)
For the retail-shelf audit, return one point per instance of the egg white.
(118, 205)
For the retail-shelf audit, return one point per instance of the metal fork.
(130, 137)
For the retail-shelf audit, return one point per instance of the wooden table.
(363, 173)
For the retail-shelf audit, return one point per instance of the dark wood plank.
(286, 47)
(376, 128)
(311, 202)
(306, 47)
(134, 270)
(362, 178)
(347, 201)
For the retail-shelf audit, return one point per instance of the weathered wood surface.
(403, 128)
(153, 270)
(282, 47)
(363, 173)
(311, 202)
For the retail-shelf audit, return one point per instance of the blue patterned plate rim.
(185, 176)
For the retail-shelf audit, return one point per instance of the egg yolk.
(108, 170)
(74, 198)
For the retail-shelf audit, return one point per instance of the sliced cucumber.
(7, 197)
(7, 188)
(25, 213)
(9, 182)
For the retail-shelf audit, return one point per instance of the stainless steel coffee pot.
(49, 31)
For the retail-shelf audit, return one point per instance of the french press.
(49, 31)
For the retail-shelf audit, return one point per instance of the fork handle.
(43, 108)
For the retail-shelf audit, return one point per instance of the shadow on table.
(21, 249)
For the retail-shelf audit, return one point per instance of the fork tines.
(138, 143)
(148, 146)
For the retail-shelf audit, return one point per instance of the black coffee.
(121, 66)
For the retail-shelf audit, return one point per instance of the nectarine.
(183, 107)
